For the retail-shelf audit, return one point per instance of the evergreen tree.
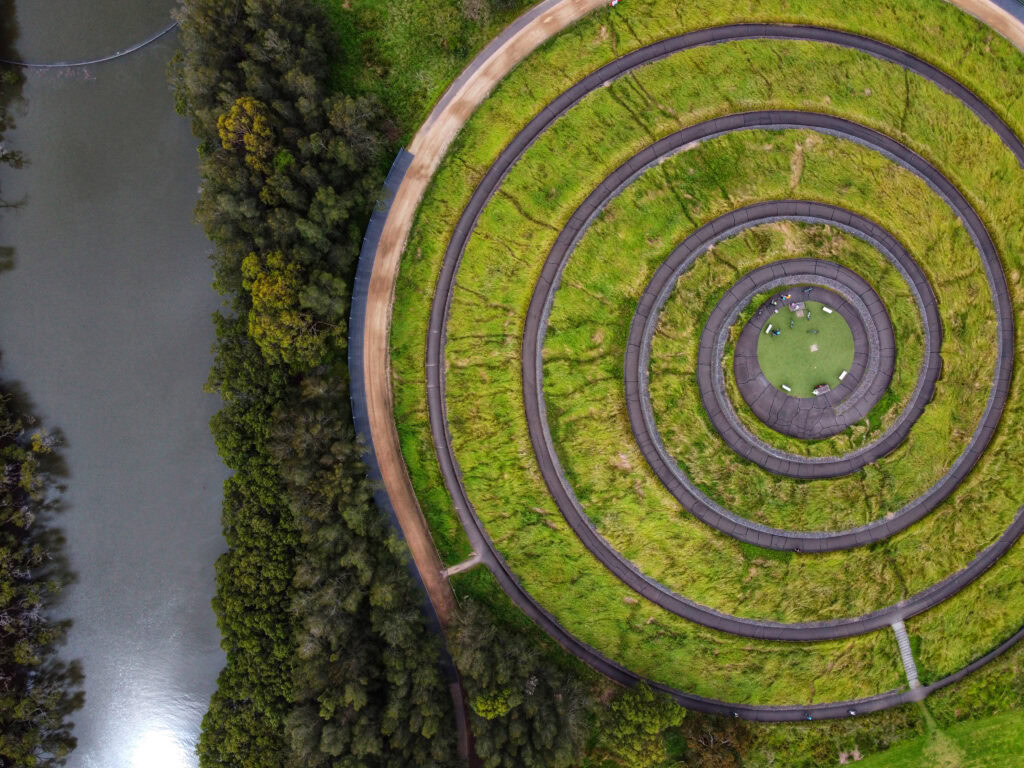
(368, 684)
(37, 692)
(632, 729)
(526, 711)
(326, 659)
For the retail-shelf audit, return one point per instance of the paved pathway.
(433, 140)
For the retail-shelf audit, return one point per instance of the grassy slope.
(992, 742)
(610, 250)
(587, 409)
(583, 48)
(477, 340)
(409, 52)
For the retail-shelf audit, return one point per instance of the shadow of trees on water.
(38, 691)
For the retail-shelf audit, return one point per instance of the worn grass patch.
(502, 263)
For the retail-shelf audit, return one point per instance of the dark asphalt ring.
(719, 409)
(680, 486)
(865, 379)
(713, 514)
(696, 502)
(442, 300)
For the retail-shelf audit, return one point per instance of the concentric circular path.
(435, 361)
(720, 410)
(637, 404)
(863, 391)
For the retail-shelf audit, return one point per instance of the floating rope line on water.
(110, 57)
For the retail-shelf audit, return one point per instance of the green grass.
(500, 269)
(996, 689)
(586, 406)
(407, 53)
(992, 742)
(780, 241)
(812, 348)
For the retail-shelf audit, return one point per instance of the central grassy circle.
(804, 345)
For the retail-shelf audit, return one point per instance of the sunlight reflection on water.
(158, 747)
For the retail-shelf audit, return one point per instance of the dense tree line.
(37, 692)
(327, 664)
(526, 712)
(530, 707)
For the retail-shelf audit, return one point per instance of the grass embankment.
(992, 742)
(586, 406)
(408, 53)
(583, 376)
(490, 435)
(802, 356)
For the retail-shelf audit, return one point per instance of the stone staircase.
(906, 654)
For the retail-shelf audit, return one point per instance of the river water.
(105, 326)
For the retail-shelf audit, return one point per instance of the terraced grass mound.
(619, 501)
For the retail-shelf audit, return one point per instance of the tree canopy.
(326, 659)
(37, 692)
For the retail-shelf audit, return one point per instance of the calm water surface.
(105, 325)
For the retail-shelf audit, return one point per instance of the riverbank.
(104, 323)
